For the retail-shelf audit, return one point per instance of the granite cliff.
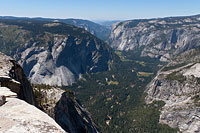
(16, 96)
(161, 38)
(63, 106)
(177, 84)
(20, 105)
(53, 53)
(12, 76)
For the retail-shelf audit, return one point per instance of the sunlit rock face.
(161, 38)
(178, 85)
(62, 63)
(17, 110)
(12, 76)
(63, 106)
(53, 53)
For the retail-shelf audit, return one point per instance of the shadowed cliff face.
(26, 91)
(72, 117)
(88, 56)
(53, 53)
(157, 38)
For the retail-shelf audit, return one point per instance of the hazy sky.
(99, 9)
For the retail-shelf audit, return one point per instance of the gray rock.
(17, 116)
(2, 100)
(52, 56)
(72, 117)
(161, 38)
(64, 108)
(13, 77)
(177, 84)
(63, 62)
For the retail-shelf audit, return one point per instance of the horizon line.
(137, 18)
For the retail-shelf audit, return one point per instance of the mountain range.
(101, 31)
(161, 38)
(52, 52)
(144, 79)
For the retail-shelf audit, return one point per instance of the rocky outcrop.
(18, 116)
(16, 96)
(65, 109)
(47, 98)
(160, 38)
(13, 77)
(53, 53)
(177, 84)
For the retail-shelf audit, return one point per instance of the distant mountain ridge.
(98, 30)
(161, 38)
(107, 23)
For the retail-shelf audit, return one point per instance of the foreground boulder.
(16, 96)
(12, 76)
(20, 117)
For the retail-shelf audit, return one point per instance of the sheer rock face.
(53, 53)
(178, 86)
(16, 96)
(47, 98)
(62, 62)
(72, 117)
(64, 108)
(157, 38)
(13, 77)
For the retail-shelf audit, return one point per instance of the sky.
(99, 9)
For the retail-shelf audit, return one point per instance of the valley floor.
(116, 98)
